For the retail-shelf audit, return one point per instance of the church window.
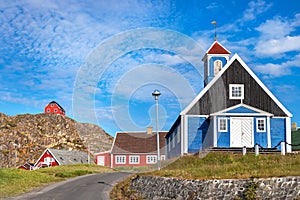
(217, 66)
(261, 125)
(236, 91)
(222, 124)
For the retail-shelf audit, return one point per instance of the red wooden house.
(54, 107)
(54, 157)
(133, 149)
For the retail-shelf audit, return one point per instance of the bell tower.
(214, 60)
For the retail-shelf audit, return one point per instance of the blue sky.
(101, 60)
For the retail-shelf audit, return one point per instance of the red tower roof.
(217, 48)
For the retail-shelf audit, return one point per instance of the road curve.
(89, 187)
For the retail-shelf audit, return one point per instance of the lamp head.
(156, 94)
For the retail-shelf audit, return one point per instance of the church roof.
(217, 48)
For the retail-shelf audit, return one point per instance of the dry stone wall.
(158, 188)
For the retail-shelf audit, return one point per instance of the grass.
(216, 165)
(296, 140)
(16, 181)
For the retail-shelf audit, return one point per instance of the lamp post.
(156, 94)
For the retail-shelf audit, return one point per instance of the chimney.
(149, 130)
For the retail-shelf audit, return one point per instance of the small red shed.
(54, 107)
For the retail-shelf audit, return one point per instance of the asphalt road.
(90, 187)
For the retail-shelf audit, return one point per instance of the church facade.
(234, 109)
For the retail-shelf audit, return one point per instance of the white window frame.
(264, 124)
(231, 90)
(151, 159)
(134, 159)
(219, 124)
(162, 157)
(120, 159)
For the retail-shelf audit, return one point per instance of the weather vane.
(215, 24)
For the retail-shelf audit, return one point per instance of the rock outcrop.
(23, 138)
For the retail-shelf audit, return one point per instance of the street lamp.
(156, 94)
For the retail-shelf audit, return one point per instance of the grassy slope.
(229, 165)
(217, 165)
(17, 181)
(296, 139)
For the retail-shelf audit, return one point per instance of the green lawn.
(16, 181)
(217, 165)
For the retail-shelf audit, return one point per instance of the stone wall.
(155, 188)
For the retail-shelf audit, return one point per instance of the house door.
(100, 160)
(241, 132)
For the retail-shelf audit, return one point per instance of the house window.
(120, 159)
(55, 110)
(151, 159)
(236, 91)
(134, 159)
(222, 124)
(261, 125)
(48, 110)
(178, 136)
(173, 140)
(48, 160)
(51, 104)
(162, 157)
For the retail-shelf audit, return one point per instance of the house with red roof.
(133, 149)
(54, 157)
(55, 108)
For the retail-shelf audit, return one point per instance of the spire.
(215, 24)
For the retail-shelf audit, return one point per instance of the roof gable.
(64, 157)
(54, 102)
(214, 97)
(242, 109)
(137, 142)
(217, 48)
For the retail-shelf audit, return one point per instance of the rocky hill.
(23, 138)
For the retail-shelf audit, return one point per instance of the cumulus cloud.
(279, 69)
(255, 8)
(276, 37)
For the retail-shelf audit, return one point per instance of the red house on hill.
(133, 149)
(54, 157)
(54, 107)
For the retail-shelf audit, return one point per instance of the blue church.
(234, 109)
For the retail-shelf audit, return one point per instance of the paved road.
(90, 187)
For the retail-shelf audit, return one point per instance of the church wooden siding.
(217, 97)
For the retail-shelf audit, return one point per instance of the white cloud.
(279, 69)
(274, 47)
(255, 8)
(276, 37)
(275, 28)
